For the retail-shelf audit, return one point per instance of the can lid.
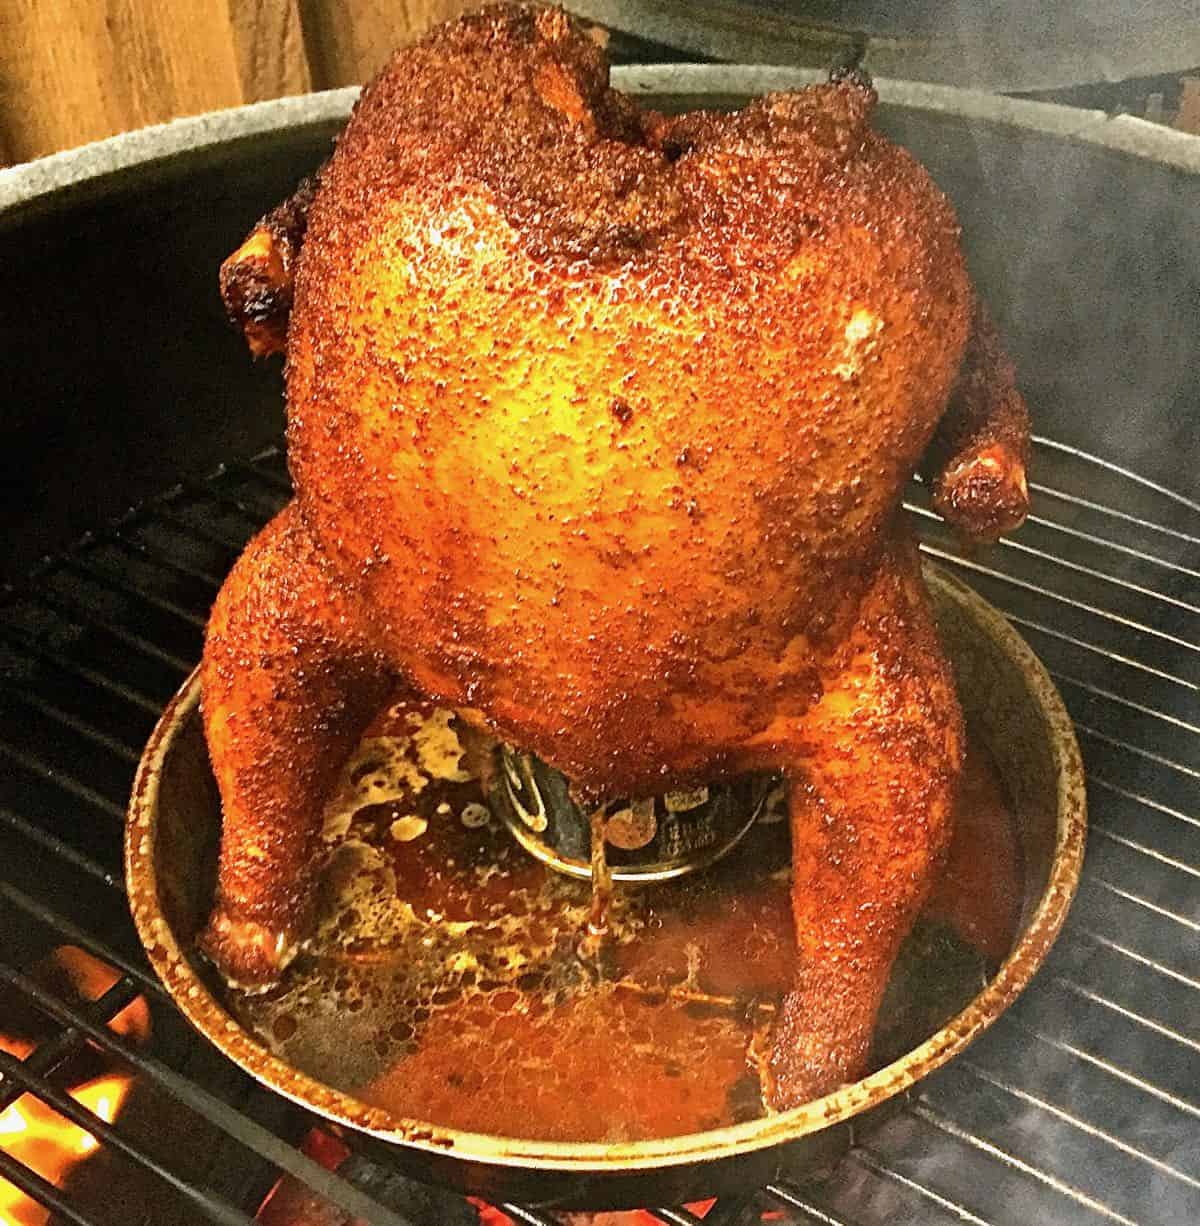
(1004, 47)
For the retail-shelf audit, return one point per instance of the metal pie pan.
(171, 840)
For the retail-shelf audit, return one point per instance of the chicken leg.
(290, 680)
(873, 767)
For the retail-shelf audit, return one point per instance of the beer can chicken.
(599, 421)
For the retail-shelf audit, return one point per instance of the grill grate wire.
(1080, 1105)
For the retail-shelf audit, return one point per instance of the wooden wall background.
(72, 71)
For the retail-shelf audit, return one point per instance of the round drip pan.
(1011, 706)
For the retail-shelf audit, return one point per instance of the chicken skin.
(598, 422)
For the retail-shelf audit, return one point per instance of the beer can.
(650, 838)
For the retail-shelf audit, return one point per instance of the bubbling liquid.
(454, 979)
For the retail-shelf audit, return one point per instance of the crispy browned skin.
(598, 423)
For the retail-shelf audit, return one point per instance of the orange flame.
(35, 1134)
(39, 1137)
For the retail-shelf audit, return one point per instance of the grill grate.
(1082, 1104)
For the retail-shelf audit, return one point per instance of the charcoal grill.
(123, 388)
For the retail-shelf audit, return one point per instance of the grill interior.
(1082, 1104)
(121, 378)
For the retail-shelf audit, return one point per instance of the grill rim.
(59, 177)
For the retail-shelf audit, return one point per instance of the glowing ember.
(627, 1217)
(289, 1203)
(90, 979)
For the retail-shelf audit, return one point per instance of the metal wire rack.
(1081, 1105)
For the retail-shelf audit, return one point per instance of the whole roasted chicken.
(599, 421)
